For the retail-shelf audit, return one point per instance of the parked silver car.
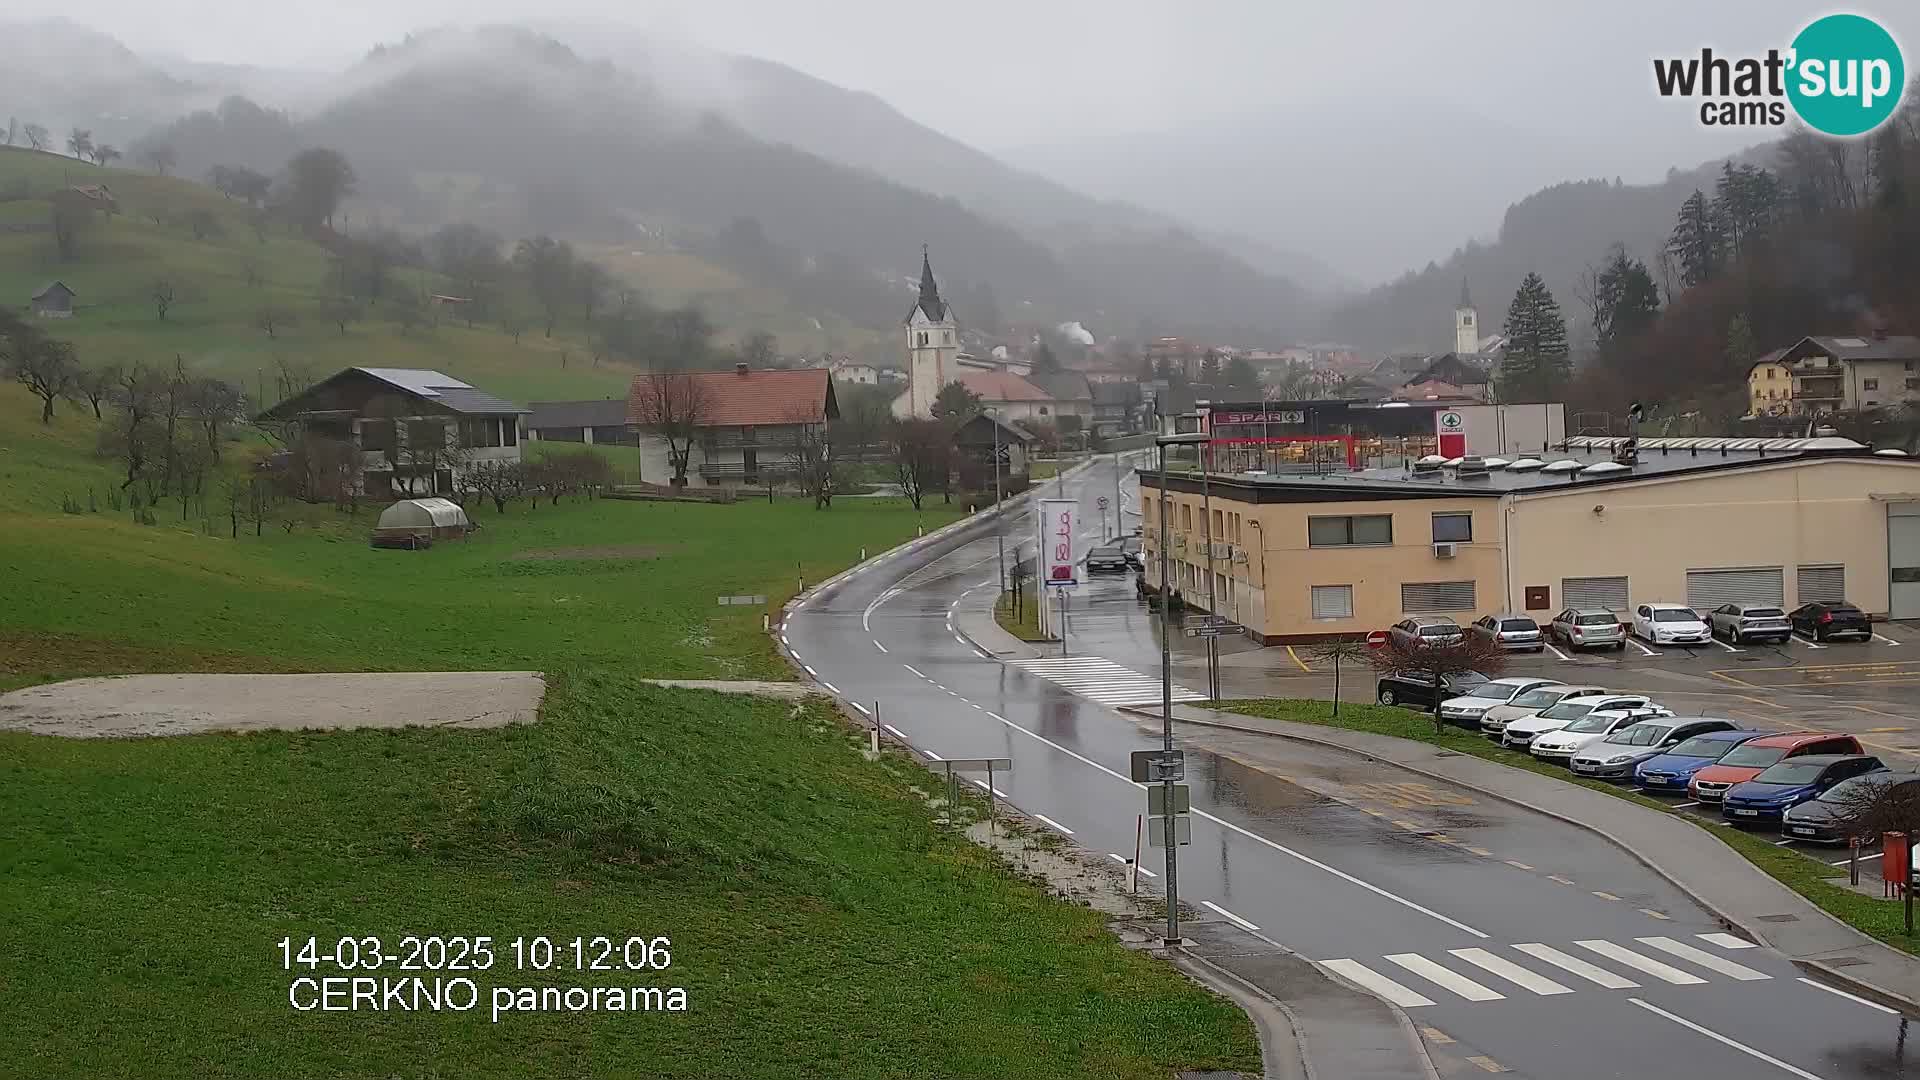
(1425, 630)
(1588, 628)
(1517, 633)
(1749, 622)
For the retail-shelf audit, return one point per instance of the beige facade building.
(1818, 375)
(1695, 521)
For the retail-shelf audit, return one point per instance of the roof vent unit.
(1526, 464)
(1890, 452)
(1428, 466)
(1604, 468)
(1825, 432)
(1473, 467)
(1452, 462)
(1565, 465)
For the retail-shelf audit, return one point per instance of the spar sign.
(1058, 547)
(1451, 426)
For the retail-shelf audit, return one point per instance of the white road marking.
(1372, 981)
(1808, 642)
(1705, 959)
(1434, 973)
(1228, 915)
(1257, 838)
(1558, 653)
(1719, 1038)
(1849, 997)
(1723, 644)
(830, 688)
(810, 671)
(915, 670)
(1146, 871)
(1888, 640)
(1783, 843)
(1047, 820)
(959, 639)
(1644, 964)
(877, 645)
(1642, 648)
(862, 708)
(895, 730)
(1599, 976)
(1511, 971)
(795, 653)
(1121, 859)
(933, 755)
(976, 706)
(982, 785)
(1685, 805)
(1727, 941)
(784, 641)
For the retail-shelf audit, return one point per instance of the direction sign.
(1227, 630)
(1182, 830)
(1376, 639)
(1157, 799)
(1157, 766)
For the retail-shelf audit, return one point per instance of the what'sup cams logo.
(1843, 76)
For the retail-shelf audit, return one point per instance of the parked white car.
(1521, 733)
(1670, 624)
(1466, 711)
(1493, 723)
(1559, 747)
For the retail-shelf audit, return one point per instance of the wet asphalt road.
(1468, 910)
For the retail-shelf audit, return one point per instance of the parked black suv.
(1823, 621)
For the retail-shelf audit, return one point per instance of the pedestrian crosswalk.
(1102, 680)
(1425, 976)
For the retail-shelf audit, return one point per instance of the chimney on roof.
(740, 368)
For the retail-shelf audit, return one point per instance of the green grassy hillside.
(226, 277)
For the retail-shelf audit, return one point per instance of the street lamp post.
(1171, 835)
(999, 522)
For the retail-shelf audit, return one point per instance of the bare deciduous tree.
(39, 363)
(159, 157)
(674, 406)
(1340, 652)
(93, 385)
(272, 318)
(164, 294)
(36, 136)
(1439, 662)
(341, 311)
(921, 451)
(80, 142)
(813, 459)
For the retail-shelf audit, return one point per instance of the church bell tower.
(933, 343)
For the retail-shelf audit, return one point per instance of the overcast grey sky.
(1007, 72)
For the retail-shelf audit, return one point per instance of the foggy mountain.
(63, 75)
(1557, 232)
(1368, 189)
(779, 104)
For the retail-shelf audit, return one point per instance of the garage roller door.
(1823, 584)
(1594, 592)
(1708, 589)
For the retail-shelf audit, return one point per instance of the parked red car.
(1749, 759)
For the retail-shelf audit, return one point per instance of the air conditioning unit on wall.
(1445, 550)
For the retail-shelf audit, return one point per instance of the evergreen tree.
(1626, 301)
(956, 404)
(1240, 374)
(1741, 349)
(1536, 365)
(1210, 367)
(1746, 201)
(1045, 362)
(1695, 242)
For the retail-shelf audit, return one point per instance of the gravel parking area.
(145, 705)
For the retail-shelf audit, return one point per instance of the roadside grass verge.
(821, 924)
(1024, 625)
(1804, 874)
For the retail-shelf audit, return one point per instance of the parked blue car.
(1780, 787)
(1672, 770)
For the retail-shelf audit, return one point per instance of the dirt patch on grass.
(617, 551)
(28, 657)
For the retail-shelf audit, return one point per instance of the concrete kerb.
(1269, 1015)
(1890, 998)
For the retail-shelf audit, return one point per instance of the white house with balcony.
(415, 430)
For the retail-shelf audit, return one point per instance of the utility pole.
(1000, 519)
(1168, 822)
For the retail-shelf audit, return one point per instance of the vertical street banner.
(1059, 548)
(1451, 426)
